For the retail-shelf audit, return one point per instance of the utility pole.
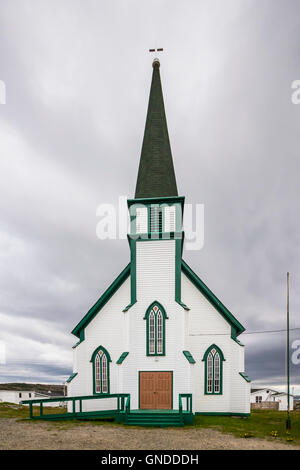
(288, 421)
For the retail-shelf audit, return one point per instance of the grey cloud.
(78, 78)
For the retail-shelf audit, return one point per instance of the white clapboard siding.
(155, 270)
(207, 327)
(155, 278)
(194, 330)
(107, 330)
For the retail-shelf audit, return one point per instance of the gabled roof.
(156, 176)
(210, 296)
(101, 301)
(245, 376)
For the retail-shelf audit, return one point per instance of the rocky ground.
(21, 434)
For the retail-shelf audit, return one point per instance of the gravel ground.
(46, 435)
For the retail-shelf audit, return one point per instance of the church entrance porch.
(155, 390)
(121, 411)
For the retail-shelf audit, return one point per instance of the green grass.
(261, 424)
(21, 412)
(12, 410)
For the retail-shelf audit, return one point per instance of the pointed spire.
(156, 176)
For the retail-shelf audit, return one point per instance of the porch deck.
(121, 414)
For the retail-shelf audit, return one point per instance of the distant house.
(16, 396)
(267, 396)
(297, 402)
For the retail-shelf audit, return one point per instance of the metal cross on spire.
(159, 49)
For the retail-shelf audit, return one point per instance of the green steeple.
(156, 176)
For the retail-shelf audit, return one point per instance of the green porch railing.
(127, 406)
(121, 407)
(189, 403)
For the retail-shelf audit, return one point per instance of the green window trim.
(245, 376)
(93, 360)
(189, 357)
(147, 318)
(122, 357)
(208, 353)
(71, 377)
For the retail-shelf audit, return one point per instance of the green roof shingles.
(156, 175)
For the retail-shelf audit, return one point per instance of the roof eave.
(102, 301)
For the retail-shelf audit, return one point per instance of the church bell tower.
(156, 212)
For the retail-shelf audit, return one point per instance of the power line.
(248, 333)
(269, 331)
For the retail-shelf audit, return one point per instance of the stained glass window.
(152, 333)
(101, 371)
(155, 317)
(213, 370)
(97, 374)
(159, 326)
(209, 372)
(104, 374)
(217, 373)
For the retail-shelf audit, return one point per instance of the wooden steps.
(154, 418)
(160, 419)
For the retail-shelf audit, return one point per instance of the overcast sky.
(77, 76)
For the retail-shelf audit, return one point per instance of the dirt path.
(46, 435)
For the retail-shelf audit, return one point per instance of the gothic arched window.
(213, 371)
(156, 330)
(100, 360)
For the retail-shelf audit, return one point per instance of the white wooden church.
(158, 342)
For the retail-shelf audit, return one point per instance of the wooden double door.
(156, 390)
